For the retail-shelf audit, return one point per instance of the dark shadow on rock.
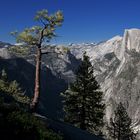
(51, 86)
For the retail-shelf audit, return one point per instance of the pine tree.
(120, 125)
(83, 104)
(37, 36)
(12, 88)
(15, 120)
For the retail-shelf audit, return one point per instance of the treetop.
(44, 32)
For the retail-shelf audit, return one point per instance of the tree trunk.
(35, 100)
(119, 132)
(82, 123)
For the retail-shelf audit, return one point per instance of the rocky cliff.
(58, 68)
(117, 69)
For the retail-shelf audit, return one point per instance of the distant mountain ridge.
(4, 44)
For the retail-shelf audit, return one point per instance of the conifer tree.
(12, 88)
(83, 104)
(120, 125)
(37, 36)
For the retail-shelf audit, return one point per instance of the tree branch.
(42, 22)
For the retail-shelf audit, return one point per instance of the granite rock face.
(117, 69)
(58, 69)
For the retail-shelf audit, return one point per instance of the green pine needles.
(83, 105)
(12, 89)
(120, 125)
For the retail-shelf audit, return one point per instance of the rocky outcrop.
(4, 53)
(58, 69)
(117, 67)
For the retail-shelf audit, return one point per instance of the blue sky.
(84, 20)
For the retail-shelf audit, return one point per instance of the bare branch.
(41, 21)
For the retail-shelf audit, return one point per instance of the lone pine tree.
(120, 125)
(83, 104)
(37, 36)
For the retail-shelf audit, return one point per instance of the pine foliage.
(42, 32)
(37, 36)
(18, 124)
(120, 125)
(83, 104)
(12, 88)
(15, 120)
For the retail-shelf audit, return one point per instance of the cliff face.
(117, 68)
(56, 67)
(57, 71)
